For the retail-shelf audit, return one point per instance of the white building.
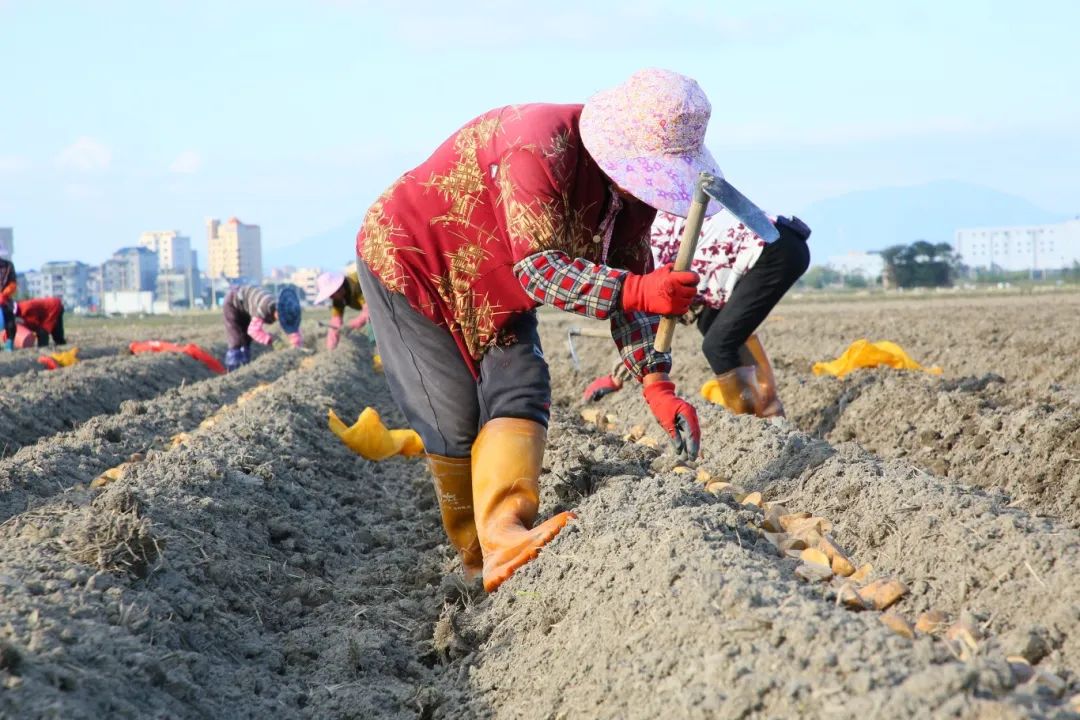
(869, 265)
(66, 280)
(7, 243)
(31, 282)
(172, 248)
(1032, 247)
(235, 250)
(128, 302)
(130, 269)
(304, 278)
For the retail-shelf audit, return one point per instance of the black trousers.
(782, 262)
(57, 333)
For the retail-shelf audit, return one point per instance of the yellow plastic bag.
(864, 354)
(370, 439)
(66, 358)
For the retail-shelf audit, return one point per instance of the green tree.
(820, 276)
(920, 264)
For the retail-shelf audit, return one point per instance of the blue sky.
(118, 117)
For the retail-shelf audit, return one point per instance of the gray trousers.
(432, 384)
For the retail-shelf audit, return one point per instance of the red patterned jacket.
(509, 213)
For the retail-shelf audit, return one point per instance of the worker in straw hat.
(523, 206)
(248, 309)
(342, 290)
(741, 279)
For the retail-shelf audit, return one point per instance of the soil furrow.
(42, 404)
(58, 462)
(959, 548)
(663, 600)
(968, 430)
(260, 570)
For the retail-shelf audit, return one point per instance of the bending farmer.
(742, 278)
(248, 309)
(527, 205)
(43, 317)
(342, 290)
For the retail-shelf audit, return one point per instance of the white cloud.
(86, 155)
(186, 163)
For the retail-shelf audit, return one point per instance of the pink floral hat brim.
(648, 135)
(665, 182)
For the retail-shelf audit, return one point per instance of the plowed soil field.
(179, 544)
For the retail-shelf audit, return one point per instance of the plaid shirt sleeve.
(574, 285)
(634, 334)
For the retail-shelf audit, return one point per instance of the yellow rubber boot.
(738, 390)
(506, 461)
(768, 401)
(452, 478)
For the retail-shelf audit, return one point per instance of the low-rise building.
(1022, 248)
(67, 280)
(304, 280)
(130, 269)
(127, 302)
(869, 265)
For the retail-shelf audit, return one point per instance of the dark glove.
(793, 228)
(600, 387)
(674, 414)
(661, 292)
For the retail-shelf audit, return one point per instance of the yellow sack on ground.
(369, 438)
(711, 392)
(66, 358)
(864, 354)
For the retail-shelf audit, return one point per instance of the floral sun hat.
(648, 135)
(326, 285)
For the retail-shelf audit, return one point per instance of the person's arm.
(258, 332)
(8, 292)
(333, 335)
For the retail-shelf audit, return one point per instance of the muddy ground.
(248, 565)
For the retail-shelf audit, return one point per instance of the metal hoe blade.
(740, 206)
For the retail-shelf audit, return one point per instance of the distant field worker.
(523, 206)
(342, 290)
(742, 278)
(8, 288)
(248, 309)
(44, 317)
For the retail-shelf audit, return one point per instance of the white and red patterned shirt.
(726, 251)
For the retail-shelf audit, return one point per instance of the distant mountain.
(876, 219)
(331, 249)
(864, 220)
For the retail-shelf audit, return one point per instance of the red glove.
(661, 292)
(674, 414)
(600, 387)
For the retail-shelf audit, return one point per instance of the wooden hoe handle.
(687, 248)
